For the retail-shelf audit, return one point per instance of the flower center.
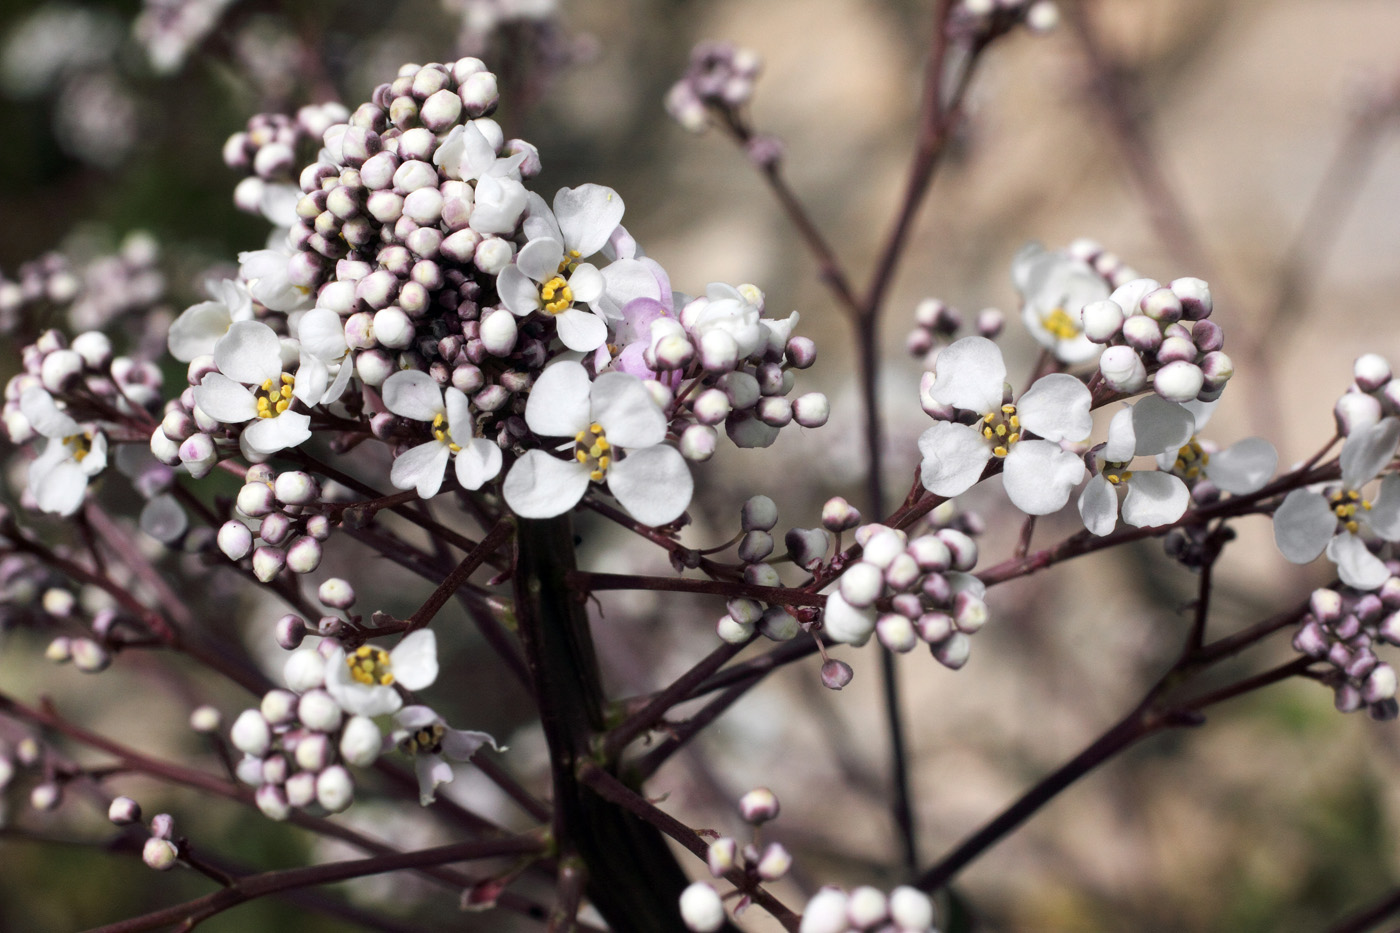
(427, 740)
(442, 434)
(79, 444)
(1190, 460)
(274, 396)
(1345, 504)
(1117, 472)
(370, 666)
(556, 296)
(1061, 325)
(1001, 429)
(591, 448)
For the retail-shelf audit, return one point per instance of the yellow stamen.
(370, 666)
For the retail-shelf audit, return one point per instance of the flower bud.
(300, 789)
(839, 515)
(862, 584)
(758, 806)
(275, 528)
(1161, 305)
(360, 742)
(1194, 295)
(759, 513)
(88, 656)
(775, 862)
(199, 454)
(1355, 411)
(335, 789)
(336, 593)
(701, 908)
(163, 448)
(953, 651)
(304, 555)
(934, 627)
(969, 612)
(268, 562)
(206, 719)
(279, 707)
(498, 332)
(733, 631)
(123, 811)
(880, 543)
(719, 353)
(896, 632)
(256, 500)
(721, 855)
(160, 854)
(811, 410)
(313, 751)
(479, 93)
(250, 734)
(235, 540)
(745, 611)
(272, 801)
(930, 553)
(807, 546)
(290, 631)
(492, 255)
(318, 711)
(60, 650)
(698, 442)
(962, 548)
(778, 625)
(866, 907)
(755, 546)
(801, 352)
(1371, 371)
(305, 670)
(1380, 684)
(775, 411)
(825, 912)
(911, 909)
(1178, 381)
(46, 796)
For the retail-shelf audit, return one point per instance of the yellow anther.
(591, 448)
(1061, 325)
(1002, 429)
(556, 296)
(274, 396)
(370, 666)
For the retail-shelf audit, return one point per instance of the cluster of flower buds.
(806, 546)
(936, 323)
(1162, 334)
(289, 529)
(903, 910)
(743, 365)
(94, 292)
(269, 151)
(297, 742)
(161, 850)
(92, 653)
(702, 908)
(1374, 394)
(983, 20)
(1344, 628)
(906, 591)
(720, 75)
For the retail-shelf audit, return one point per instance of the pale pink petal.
(587, 215)
(44, 415)
(581, 330)
(421, 468)
(269, 435)
(539, 259)
(414, 394)
(627, 412)
(1367, 451)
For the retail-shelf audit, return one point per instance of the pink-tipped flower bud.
(123, 811)
(698, 442)
(701, 908)
(896, 632)
(811, 410)
(839, 515)
(758, 806)
(1194, 295)
(268, 563)
(953, 651)
(836, 674)
(160, 854)
(1122, 369)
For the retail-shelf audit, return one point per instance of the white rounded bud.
(969, 612)
(759, 806)
(774, 411)
(881, 544)
(866, 907)
(698, 442)
(1195, 297)
(335, 789)
(721, 855)
(304, 554)
(160, 854)
(163, 448)
(88, 656)
(268, 563)
(492, 255)
(278, 707)
(1371, 371)
(862, 584)
(845, 623)
(206, 719)
(361, 741)
(256, 500)
(1102, 320)
(305, 670)
(60, 650)
(755, 546)
(250, 733)
(711, 406)
(318, 710)
(1178, 381)
(953, 651)
(301, 789)
(811, 410)
(1122, 369)
(336, 593)
(498, 332)
(720, 353)
(733, 631)
(272, 802)
(775, 862)
(825, 912)
(778, 625)
(479, 93)
(896, 632)
(911, 909)
(313, 752)
(701, 908)
(1355, 411)
(441, 110)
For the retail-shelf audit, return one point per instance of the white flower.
(363, 682)
(579, 225)
(58, 478)
(1309, 522)
(732, 311)
(423, 734)
(414, 394)
(1038, 475)
(199, 327)
(1054, 290)
(265, 271)
(321, 335)
(250, 354)
(618, 433)
(1154, 497)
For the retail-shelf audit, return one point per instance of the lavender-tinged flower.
(424, 734)
(618, 436)
(414, 394)
(1309, 522)
(251, 385)
(1038, 475)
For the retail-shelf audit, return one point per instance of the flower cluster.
(91, 293)
(267, 150)
(1344, 628)
(720, 75)
(277, 521)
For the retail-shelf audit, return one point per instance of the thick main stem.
(631, 876)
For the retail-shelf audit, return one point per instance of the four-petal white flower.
(1054, 289)
(424, 734)
(414, 394)
(251, 385)
(618, 436)
(363, 682)
(1038, 474)
(58, 478)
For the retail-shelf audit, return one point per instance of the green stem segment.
(631, 876)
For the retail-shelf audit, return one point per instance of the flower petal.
(1038, 476)
(1098, 506)
(1303, 525)
(541, 486)
(587, 215)
(580, 330)
(1366, 452)
(44, 415)
(269, 435)
(224, 400)
(462, 744)
(1122, 441)
(1056, 408)
(539, 259)
(198, 329)
(970, 374)
(954, 458)
(518, 293)
(1384, 517)
(356, 698)
(1161, 426)
(1154, 498)
(627, 412)
(414, 394)
(1356, 565)
(478, 462)
(653, 484)
(414, 660)
(250, 353)
(60, 489)
(1244, 467)
(421, 468)
(558, 402)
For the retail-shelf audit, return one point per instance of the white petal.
(587, 215)
(461, 744)
(1038, 476)
(414, 394)
(586, 283)
(431, 771)
(954, 457)
(581, 330)
(478, 462)
(269, 435)
(1154, 499)
(414, 660)
(1303, 524)
(971, 374)
(1122, 442)
(311, 381)
(356, 698)
(517, 291)
(653, 484)
(421, 468)
(541, 486)
(44, 415)
(1056, 408)
(322, 334)
(58, 490)
(1356, 565)
(1384, 517)
(224, 400)
(1098, 506)
(1366, 452)
(539, 259)
(627, 412)
(1243, 467)
(250, 353)
(558, 402)
(459, 410)
(1161, 426)
(198, 329)
(96, 460)
(628, 279)
(416, 717)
